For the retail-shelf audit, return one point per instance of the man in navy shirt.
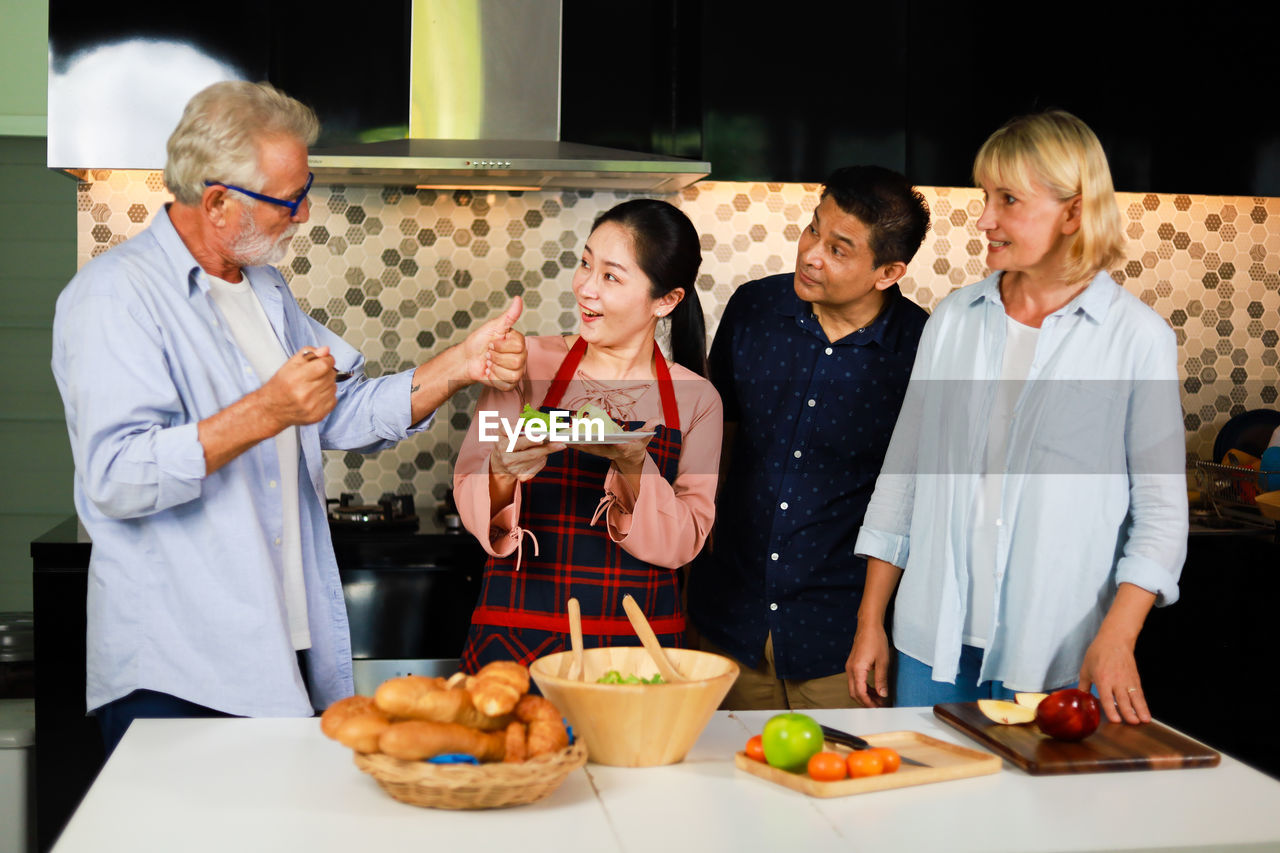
(812, 368)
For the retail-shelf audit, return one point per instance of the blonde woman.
(1032, 506)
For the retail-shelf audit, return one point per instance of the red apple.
(1069, 714)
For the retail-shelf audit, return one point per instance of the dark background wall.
(1182, 102)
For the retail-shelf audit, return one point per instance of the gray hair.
(218, 136)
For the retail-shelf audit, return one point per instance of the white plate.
(615, 438)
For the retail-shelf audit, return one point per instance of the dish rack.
(1231, 492)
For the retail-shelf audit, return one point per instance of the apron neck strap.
(569, 366)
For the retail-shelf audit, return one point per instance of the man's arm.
(494, 354)
(301, 392)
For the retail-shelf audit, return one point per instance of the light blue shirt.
(1094, 485)
(185, 578)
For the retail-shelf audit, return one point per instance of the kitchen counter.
(70, 744)
(279, 784)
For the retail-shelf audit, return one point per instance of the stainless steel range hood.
(484, 112)
(526, 164)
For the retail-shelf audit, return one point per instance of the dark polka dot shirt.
(813, 420)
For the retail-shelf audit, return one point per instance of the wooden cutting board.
(1114, 746)
(946, 761)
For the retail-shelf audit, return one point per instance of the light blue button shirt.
(1094, 485)
(185, 578)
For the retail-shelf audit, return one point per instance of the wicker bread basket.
(472, 786)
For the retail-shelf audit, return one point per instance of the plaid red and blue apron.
(522, 613)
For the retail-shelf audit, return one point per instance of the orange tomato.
(827, 767)
(864, 763)
(892, 761)
(755, 748)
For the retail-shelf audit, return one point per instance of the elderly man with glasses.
(199, 397)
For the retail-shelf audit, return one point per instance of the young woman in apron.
(594, 521)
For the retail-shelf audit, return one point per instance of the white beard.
(252, 247)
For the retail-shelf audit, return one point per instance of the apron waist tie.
(559, 622)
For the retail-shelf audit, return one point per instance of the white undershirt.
(258, 342)
(1019, 352)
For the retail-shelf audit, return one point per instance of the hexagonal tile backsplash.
(401, 273)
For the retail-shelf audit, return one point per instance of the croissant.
(546, 731)
(498, 686)
(517, 735)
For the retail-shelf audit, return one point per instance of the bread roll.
(414, 740)
(414, 697)
(362, 732)
(339, 711)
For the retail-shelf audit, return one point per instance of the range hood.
(484, 112)
(503, 164)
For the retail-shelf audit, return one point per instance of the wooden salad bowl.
(636, 725)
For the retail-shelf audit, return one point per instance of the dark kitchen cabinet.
(780, 96)
(1180, 101)
(69, 751)
(1203, 660)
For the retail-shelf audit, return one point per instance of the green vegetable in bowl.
(615, 677)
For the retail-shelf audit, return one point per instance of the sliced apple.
(1029, 700)
(1006, 713)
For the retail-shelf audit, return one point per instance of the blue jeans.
(114, 717)
(914, 685)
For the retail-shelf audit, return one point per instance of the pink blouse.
(666, 523)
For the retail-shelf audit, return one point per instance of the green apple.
(790, 740)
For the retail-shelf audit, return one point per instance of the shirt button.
(783, 504)
(999, 522)
(773, 606)
(773, 556)
(277, 540)
(272, 484)
(796, 454)
(813, 403)
(828, 350)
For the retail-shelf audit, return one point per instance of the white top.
(1095, 494)
(252, 331)
(273, 784)
(1019, 351)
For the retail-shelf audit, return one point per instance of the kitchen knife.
(855, 742)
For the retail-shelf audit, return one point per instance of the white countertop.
(280, 785)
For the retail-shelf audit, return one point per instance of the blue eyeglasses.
(291, 205)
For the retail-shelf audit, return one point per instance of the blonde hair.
(218, 136)
(1060, 153)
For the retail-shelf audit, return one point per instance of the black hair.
(669, 252)
(894, 212)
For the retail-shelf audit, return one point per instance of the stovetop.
(1205, 522)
